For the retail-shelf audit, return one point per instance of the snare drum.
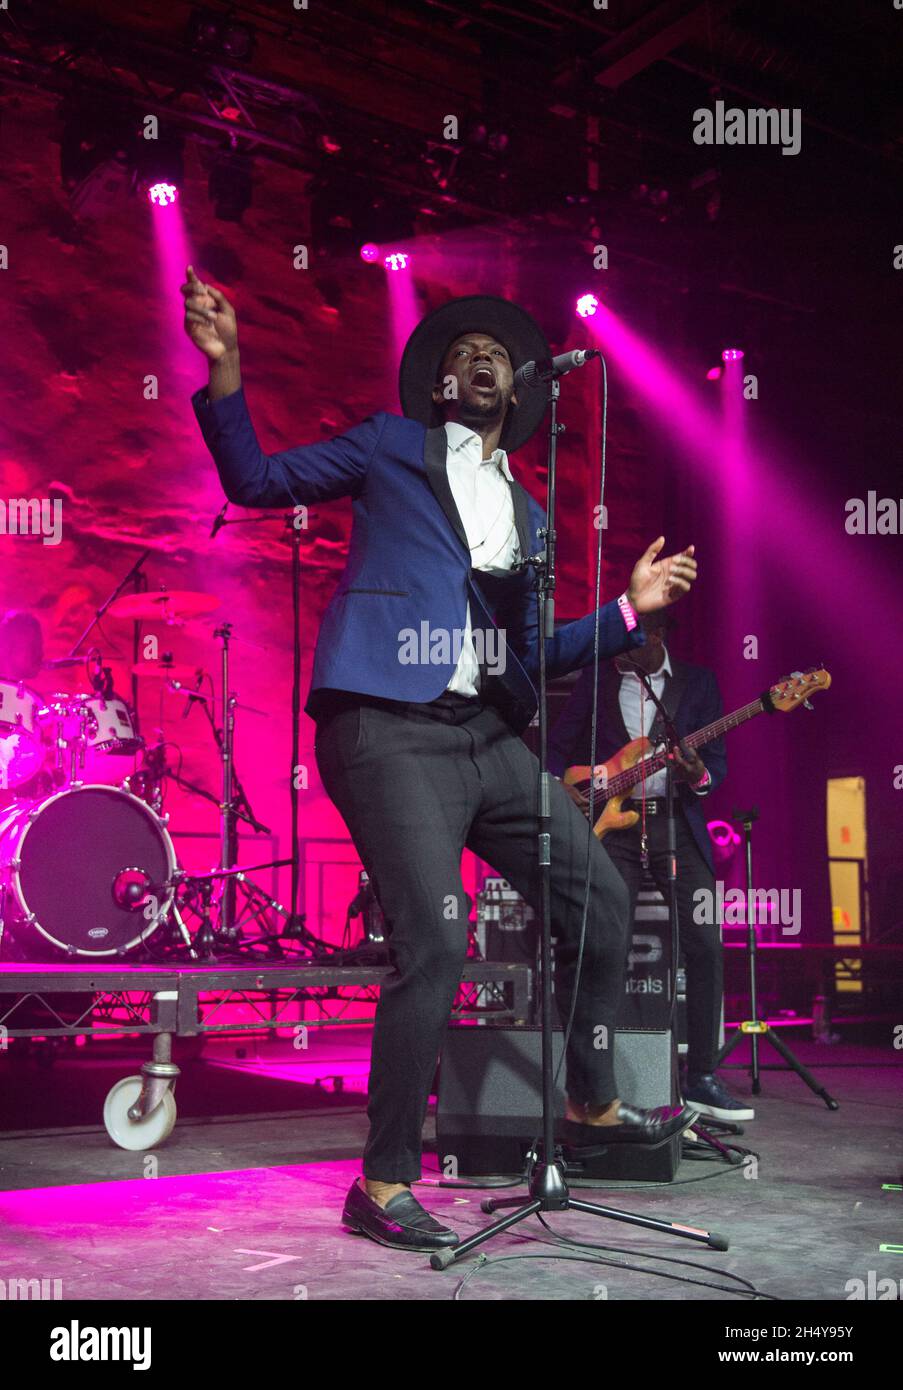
(109, 728)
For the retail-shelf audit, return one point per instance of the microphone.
(176, 686)
(219, 520)
(101, 677)
(193, 695)
(536, 373)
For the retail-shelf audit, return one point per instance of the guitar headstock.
(796, 689)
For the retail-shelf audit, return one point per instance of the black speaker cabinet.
(489, 1101)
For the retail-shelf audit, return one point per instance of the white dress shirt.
(482, 492)
(638, 713)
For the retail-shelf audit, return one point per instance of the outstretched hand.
(209, 318)
(656, 583)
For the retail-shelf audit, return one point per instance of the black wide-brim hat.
(512, 326)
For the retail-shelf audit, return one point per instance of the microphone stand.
(671, 821)
(729, 1152)
(547, 1186)
(756, 1027)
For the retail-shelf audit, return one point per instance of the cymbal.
(166, 604)
(60, 661)
(163, 671)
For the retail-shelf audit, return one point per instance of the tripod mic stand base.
(757, 1029)
(549, 1192)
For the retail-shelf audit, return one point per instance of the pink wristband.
(704, 781)
(627, 613)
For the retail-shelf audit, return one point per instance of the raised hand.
(209, 318)
(656, 583)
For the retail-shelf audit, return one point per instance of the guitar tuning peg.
(807, 704)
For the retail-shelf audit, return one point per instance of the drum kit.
(88, 868)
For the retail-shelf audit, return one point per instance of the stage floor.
(249, 1206)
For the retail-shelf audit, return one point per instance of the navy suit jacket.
(692, 698)
(408, 562)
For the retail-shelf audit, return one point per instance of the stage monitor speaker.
(489, 1101)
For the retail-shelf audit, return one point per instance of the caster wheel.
(486, 1205)
(137, 1134)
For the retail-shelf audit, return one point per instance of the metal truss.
(93, 1001)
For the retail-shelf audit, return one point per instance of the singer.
(423, 759)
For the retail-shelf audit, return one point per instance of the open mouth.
(483, 378)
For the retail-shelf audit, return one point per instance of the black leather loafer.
(635, 1126)
(402, 1223)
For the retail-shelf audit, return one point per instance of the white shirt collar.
(461, 438)
(663, 670)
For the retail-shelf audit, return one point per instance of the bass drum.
(86, 871)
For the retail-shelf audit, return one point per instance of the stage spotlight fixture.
(732, 354)
(230, 186)
(162, 194)
(713, 374)
(587, 305)
(397, 260)
(369, 252)
(159, 170)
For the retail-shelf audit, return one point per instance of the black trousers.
(700, 945)
(415, 785)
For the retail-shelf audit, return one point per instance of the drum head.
(21, 756)
(74, 858)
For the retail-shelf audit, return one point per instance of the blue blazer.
(692, 698)
(408, 567)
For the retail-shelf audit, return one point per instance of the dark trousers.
(416, 785)
(700, 945)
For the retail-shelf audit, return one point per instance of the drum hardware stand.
(234, 806)
(754, 1027)
(547, 1186)
(257, 902)
(136, 577)
(297, 927)
(177, 924)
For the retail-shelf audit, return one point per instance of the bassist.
(691, 696)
